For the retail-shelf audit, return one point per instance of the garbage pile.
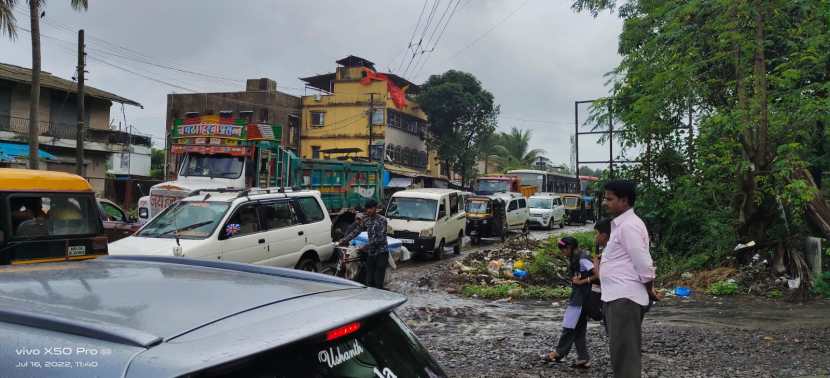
(518, 260)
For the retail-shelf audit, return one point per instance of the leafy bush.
(722, 288)
(821, 285)
(775, 294)
(516, 291)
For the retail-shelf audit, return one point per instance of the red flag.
(397, 94)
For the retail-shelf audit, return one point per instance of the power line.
(479, 38)
(418, 51)
(569, 123)
(434, 45)
(412, 37)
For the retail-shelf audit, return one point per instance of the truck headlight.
(484, 221)
(143, 212)
(426, 233)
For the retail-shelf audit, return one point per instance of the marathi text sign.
(207, 129)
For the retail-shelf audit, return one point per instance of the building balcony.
(69, 131)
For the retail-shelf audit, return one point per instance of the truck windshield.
(477, 207)
(540, 203)
(55, 214)
(493, 186)
(190, 219)
(381, 346)
(218, 166)
(412, 209)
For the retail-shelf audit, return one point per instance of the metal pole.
(576, 135)
(79, 135)
(610, 139)
(371, 111)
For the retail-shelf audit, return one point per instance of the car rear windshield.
(188, 219)
(382, 347)
(53, 214)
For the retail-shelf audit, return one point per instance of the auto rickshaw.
(48, 217)
(486, 218)
(575, 211)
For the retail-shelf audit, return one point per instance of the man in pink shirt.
(626, 273)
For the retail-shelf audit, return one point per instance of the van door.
(286, 237)
(523, 214)
(317, 228)
(512, 209)
(558, 210)
(442, 225)
(457, 220)
(241, 238)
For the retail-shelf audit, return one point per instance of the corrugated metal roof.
(47, 80)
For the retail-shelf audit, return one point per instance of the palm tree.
(512, 150)
(8, 24)
(488, 152)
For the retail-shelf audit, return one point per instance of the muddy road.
(695, 337)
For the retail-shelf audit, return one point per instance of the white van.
(518, 215)
(257, 226)
(427, 220)
(546, 210)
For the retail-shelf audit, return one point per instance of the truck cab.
(217, 153)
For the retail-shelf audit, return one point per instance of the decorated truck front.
(211, 152)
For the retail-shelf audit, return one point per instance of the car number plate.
(76, 250)
(407, 241)
(473, 232)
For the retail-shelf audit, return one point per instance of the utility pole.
(79, 135)
(371, 114)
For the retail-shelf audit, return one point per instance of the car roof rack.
(240, 267)
(107, 332)
(214, 190)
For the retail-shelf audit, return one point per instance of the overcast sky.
(536, 62)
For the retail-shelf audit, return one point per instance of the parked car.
(518, 215)
(546, 210)
(117, 225)
(48, 216)
(427, 220)
(155, 316)
(266, 227)
(486, 218)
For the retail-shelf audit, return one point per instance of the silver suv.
(155, 316)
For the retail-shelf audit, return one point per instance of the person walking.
(627, 273)
(376, 254)
(575, 322)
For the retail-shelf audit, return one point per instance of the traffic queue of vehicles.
(153, 311)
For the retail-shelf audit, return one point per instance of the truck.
(214, 152)
(492, 184)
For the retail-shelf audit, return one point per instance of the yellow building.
(361, 112)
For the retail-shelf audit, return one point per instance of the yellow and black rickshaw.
(575, 210)
(47, 217)
(486, 218)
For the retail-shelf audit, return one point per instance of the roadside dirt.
(695, 337)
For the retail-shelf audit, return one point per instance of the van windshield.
(54, 214)
(540, 203)
(412, 209)
(190, 219)
(219, 166)
(381, 346)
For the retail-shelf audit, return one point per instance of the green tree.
(752, 77)
(157, 163)
(462, 114)
(8, 25)
(513, 150)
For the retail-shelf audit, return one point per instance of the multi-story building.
(361, 113)
(260, 102)
(106, 151)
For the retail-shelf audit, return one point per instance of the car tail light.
(99, 244)
(345, 330)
